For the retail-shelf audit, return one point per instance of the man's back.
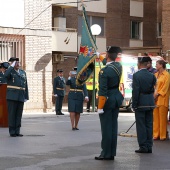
(143, 89)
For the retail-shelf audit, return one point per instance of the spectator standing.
(161, 95)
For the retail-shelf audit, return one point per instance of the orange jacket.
(163, 88)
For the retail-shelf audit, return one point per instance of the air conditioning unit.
(58, 58)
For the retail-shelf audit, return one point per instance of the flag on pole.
(87, 51)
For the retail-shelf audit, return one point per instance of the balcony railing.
(65, 3)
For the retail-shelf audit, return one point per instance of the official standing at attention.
(143, 104)
(17, 94)
(59, 86)
(76, 97)
(109, 101)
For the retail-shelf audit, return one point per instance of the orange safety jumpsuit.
(161, 111)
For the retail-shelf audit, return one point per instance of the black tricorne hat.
(13, 59)
(59, 71)
(5, 65)
(113, 49)
(75, 68)
(144, 59)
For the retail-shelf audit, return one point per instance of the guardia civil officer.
(76, 96)
(17, 94)
(109, 102)
(59, 91)
(3, 66)
(143, 104)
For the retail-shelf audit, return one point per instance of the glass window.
(136, 30)
(159, 29)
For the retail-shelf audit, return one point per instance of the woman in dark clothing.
(75, 100)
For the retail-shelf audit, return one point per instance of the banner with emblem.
(87, 51)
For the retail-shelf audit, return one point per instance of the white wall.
(136, 43)
(12, 13)
(136, 8)
(95, 6)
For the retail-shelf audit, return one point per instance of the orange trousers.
(160, 122)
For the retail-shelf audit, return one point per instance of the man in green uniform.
(59, 86)
(109, 101)
(143, 104)
(3, 66)
(17, 94)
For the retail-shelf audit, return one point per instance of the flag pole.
(94, 84)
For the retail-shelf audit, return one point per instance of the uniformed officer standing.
(3, 66)
(59, 86)
(17, 94)
(143, 103)
(109, 101)
(76, 96)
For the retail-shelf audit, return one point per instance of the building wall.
(165, 25)
(38, 55)
(117, 23)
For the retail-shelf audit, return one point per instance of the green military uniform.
(4, 66)
(59, 89)
(17, 94)
(2, 78)
(76, 96)
(143, 103)
(109, 78)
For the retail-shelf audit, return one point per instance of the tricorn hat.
(13, 59)
(5, 65)
(144, 59)
(75, 68)
(59, 71)
(113, 49)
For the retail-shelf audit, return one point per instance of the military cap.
(13, 59)
(113, 49)
(59, 71)
(75, 68)
(5, 65)
(144, 59)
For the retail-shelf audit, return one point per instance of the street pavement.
(50, 144)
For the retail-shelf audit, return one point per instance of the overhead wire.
(50, 6)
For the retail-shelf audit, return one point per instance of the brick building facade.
(44, 39)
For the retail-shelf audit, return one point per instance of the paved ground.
(50, 144)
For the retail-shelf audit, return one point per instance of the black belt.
(115, 87)
(146, 93)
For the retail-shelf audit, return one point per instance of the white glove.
(25, 100)
(13, 64)
(98, 54)
(100, 111)
(55, 95)
(69, 78)
(87, 98)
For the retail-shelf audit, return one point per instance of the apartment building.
(46, 35)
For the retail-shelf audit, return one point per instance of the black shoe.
(141, 151)
(13, 135)
(149, 150)
(88, 110)
(73, 128)
(102, 158)
(57, 113)
(19, 135)
(61, 113)
(76, 129)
